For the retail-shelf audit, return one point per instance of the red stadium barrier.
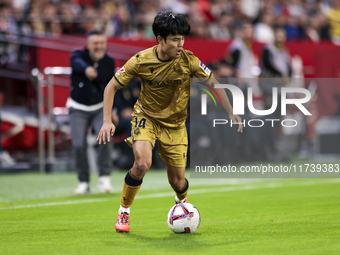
(319, 60)
(206, 50)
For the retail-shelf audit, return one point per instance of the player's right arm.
(108, 128)
(122, 77)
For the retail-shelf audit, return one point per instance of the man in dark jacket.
(92, 69)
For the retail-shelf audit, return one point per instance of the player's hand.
(91, 73)
(237, 119)
(107, 130)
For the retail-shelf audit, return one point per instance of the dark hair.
(166, 23)
(94, 32)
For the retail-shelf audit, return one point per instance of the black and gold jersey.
(165, 86)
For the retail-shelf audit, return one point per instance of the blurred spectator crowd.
(313, 20)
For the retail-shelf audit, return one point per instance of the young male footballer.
(161, 110)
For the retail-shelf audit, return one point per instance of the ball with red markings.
(184, 218)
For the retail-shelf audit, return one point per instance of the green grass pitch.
(40, 215)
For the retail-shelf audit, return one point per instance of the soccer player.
(161, 110)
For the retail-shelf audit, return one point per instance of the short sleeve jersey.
(165, 88)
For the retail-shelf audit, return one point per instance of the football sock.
(124, 210)
(182, 194)
(130, 189)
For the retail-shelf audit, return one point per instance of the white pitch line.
(56, 203)
(168, 194)
(235, 188)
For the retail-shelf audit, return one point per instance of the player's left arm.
(226, 104)
(202, 72)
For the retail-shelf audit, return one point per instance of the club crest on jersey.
(136, 131)
(205, 68)
(120, 70)
(177, 68)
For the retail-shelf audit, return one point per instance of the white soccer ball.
(184, 218)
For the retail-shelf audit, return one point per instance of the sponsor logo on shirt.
(205, 68)
(169, 82)
(120, 70)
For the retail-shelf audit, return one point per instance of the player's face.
(96, 44)
(173, 46)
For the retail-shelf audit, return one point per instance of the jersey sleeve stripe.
(118, 81)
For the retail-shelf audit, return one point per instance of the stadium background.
(39, 213)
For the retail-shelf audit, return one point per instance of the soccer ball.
(184, 218)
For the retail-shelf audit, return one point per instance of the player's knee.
(177, 184)
(140, 168)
